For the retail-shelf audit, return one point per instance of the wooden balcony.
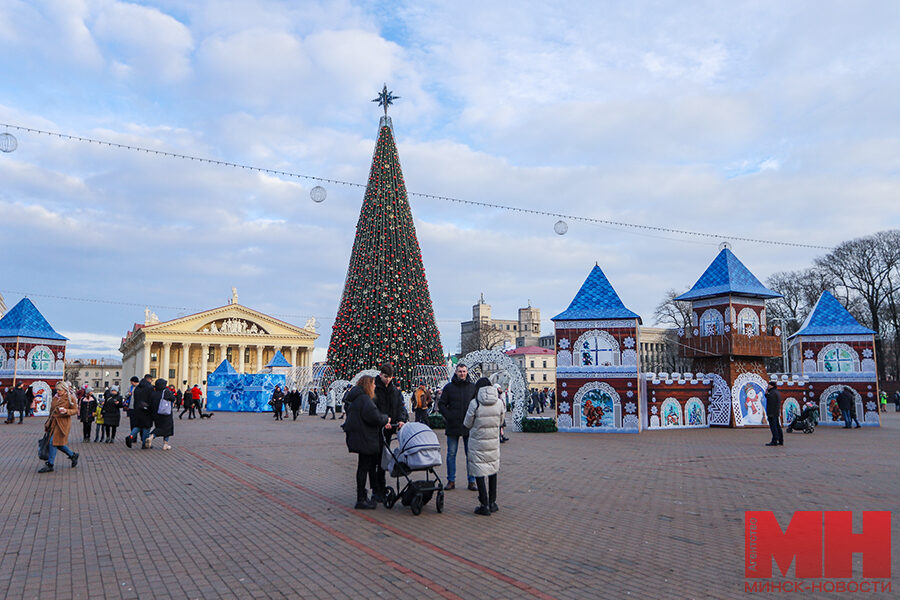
(728, 344)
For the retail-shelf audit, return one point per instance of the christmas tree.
(386, 313)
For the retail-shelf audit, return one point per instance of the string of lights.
(490, 205)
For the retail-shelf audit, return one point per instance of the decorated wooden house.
(597, 373)
(729, 338)
(832, 350)
(676, 400)
(31, 351)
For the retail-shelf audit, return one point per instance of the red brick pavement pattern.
(245, 507)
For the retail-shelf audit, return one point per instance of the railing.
(730, 344)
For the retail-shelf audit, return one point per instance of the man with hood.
(388, 401)
(141, 413)
(162, 401)
(453, 404)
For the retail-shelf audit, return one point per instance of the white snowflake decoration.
(696, 332)
(653, 410)
(59, 355)
(628, 342)
(564, 407)
(808, 354)
(564, 384)
(681, 332)
(727, 328)
(21, 353)
(870, 406)
(630, 407)
(565, 394)
(867, 353)
(629, 393)
(564, 343)
(564, 421)
(870, 395)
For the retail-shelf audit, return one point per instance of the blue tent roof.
(596, 300)
(829, 317)
(224, 368)
(25, 320)
(727, 275)
(278, 361)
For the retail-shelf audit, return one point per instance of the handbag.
(44, 446)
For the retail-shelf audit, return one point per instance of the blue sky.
(758, 119)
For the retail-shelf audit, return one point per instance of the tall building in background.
(386, 314)
(484, 332)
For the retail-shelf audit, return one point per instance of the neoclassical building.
(187, 349)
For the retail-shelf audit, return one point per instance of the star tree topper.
(385, 98)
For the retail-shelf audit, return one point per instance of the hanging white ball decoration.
(318, 194)
(561, 227)
(8, 142)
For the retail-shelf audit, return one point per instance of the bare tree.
(864, 267)
(800, 290)
(672, 312)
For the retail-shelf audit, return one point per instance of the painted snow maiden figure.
(363, 430)
(162, 401)
(483, 419)
(63, 407)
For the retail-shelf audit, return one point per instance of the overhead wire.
(491, 205)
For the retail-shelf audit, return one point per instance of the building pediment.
(233, 319)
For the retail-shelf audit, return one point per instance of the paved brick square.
(246, 507)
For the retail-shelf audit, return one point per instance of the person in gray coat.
(483, 419)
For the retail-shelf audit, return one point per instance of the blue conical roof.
(224, 368)
(278, 361)
(727, 275)
(25, 320)
(596, 300)
(829, 317)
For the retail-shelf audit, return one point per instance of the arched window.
(40, 359)
(712, 323)
(597, 349)
(838, 358)
(748, 322)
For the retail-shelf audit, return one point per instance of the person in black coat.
(363, 430)
(313, 399)
(773, 411)
(112, 414)
(141, 415)
(453, 404)
(845, 402)
(15, 402)
(389, 401)
(277, 402)
(295, 401)
(162, 403)
(86, 408)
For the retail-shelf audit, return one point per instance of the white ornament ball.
(8, 142)
(561, 227)
(318, 194)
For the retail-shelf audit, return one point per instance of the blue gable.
(25, 320)
(829, 317)
(224, 368)
(596, 300)
(727, 275)
(278, 361)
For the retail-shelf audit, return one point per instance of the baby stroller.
(807, 420)
(418, 449)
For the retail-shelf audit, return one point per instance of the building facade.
(97, 373)
(537, 364)
(484, 332)
(2, 306)
(31, 351)
(187, 349)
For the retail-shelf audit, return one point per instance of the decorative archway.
(596, 416)
(694, 413)
(517, 385)
(790, 410)
(670, 413)
(826, 416)
(599, 344)
(304, 379)
(843, 354)
(748, 399)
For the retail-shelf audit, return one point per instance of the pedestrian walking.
(313, 399)
(845, 401)
(294, 401)
(15, 403)
(29, 401)
(453, 404)
(277, 402)
(329, 405)
(86, 409)
(99, 430)
(162, 401)
(897, 401)
(63, 407)
(141, 415)
(773, 411)
(882, 398)
(483, 417)
(421, 403)
(112, 413)
(363, 435)
(389, 401)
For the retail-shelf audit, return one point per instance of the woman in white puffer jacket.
(483, 419)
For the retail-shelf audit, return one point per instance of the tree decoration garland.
(386, 314)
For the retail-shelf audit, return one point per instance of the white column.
(259, 363)
(294, 358)
(204, 365)
(240, 360)
(145, 359)
(185, 364)
(166, 359)
(223, 353)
